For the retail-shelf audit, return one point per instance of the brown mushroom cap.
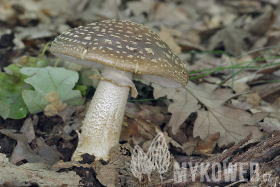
(122, 45)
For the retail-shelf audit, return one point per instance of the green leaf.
(43, 63)
(11, 86)
(4, 110)
(82, 89)
(49, 79)
(36, 102)
(18, 109)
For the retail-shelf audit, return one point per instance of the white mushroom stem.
(102, 125)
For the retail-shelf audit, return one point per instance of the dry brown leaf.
(137, 8)
(180, 136)
(276, 104)
(23, 151)
(137, 127)
(268, 92)
(154, 114)
(129, 129)
(37, 173)
(108, 175)
(132, 110)
(240, 105)
(232, 39)
(67, 113)
(261, 24)
(208, 145)
(238, 87)
(28, 129)
(233, 124)
(169, 15)
(167, 36)
(269, 127)
(184, 104)
(208, 95)
(253, 99)
(189, 46)
(189, 147)
(268, 70)
(272, 122)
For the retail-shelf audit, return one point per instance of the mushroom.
(122, 50)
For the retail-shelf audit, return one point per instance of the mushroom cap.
(125, 46)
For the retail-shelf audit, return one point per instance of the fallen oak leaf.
(232, 39)
(137, 127)
(233, 124)
(209, 95)
(262, 23)
(23, 151)
(208, 145)
(187, 102)
(184, 104)
(154, 114)
(198, 146)
(181, 135)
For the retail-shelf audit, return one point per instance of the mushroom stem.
(102, 125)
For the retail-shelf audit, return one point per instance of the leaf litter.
(217, 118)
(29, 173)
